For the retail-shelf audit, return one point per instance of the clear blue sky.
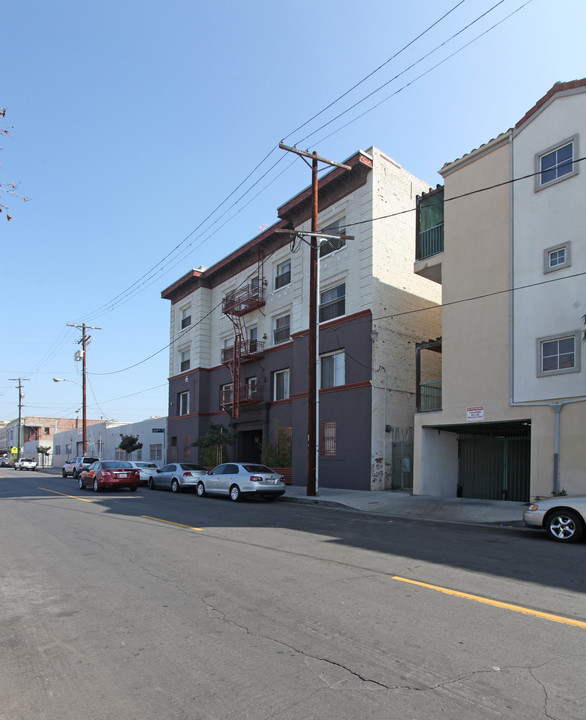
(133, 120)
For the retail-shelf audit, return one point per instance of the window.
(327, 438)
(283, 276)
(557, 257)
(120, 454)
(253, 340)
(156, 452)
(185, 317)
(281, 385)
(138, 454)
(184, 403)
(282, 331)
(226, 394)
(47, 431)
(332, 303)
(558, 355)
(186, 447)
(333, 371)
(57, 449)
(68, 449)
(185, 359)
(331, 244)
(251, 384)
(556, 163)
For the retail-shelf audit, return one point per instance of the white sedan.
(241, 479)
(564, 518)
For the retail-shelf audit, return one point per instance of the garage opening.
(494, 461)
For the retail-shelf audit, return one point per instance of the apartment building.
(506, 417)
(239, 333)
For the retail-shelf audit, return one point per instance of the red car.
(110, 474)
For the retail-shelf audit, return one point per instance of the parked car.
(6, 462)
(564, 518)
(176, 476)
(74, 466)
(145, 469)
(109, 474)
(242, 479)
(25, 464)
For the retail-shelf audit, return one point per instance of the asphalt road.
(152, 605)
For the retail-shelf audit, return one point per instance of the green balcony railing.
(430, 396)
(430, 242)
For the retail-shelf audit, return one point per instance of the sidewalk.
(426, 507)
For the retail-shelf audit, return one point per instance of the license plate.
(122, 475)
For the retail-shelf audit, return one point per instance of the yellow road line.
(169, 522)
(74, 497)
(495, 603)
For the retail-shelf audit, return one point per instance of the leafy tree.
(281, 455)
(10, 187)
(129, 444)
(212, 444)
(43, 450)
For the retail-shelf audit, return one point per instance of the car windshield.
(189, 466)
(249, 467)
(116, 465)
(145, 464)
(90, 460)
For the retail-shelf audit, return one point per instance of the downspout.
(557, 409)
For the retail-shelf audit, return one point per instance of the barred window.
(327, 438)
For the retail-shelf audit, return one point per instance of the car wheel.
(235, 493)
(63, 473)
(151, 484)
(80, 484)
(200, 489)
(175, 487)
(74, 474)
(96, 486)
(564, 526)
(133, 488)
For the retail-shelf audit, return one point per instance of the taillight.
(255, 478)
(187, 474)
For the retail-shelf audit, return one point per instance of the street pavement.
(404, 504)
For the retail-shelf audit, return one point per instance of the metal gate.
(402, 462)
(495, 465)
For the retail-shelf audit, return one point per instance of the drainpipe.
(557, 409)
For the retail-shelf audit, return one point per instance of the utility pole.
(20, 396)
(84, 342)
(312, 392)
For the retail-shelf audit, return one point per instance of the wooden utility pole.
(20, 396)
(312, 397)
(84, 343)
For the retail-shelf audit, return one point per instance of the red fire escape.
(235, 305)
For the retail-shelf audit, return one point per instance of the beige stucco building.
(507, 418)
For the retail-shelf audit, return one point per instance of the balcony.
(251, 350)
(244, 300)
(429, 238)
(249, 393)
(430, 396)
(430, 242)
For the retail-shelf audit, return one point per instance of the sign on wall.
(474, 414)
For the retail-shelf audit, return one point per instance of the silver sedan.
(176, 476)
(241, 479)
(564, 518)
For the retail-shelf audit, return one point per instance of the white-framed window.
(253, 340)
(557, 257)
(557, 163)
(226, 394)
(332, 302)
(281, 384)
(338, 227)
(184, 359)
(184, 403)
(332, 369)
(558, 354)
(156, 452)
(282, 329)
(283, 274)
(251, 384)
(185, 317)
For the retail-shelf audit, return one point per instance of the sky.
(145, 137)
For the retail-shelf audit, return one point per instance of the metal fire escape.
(235, 305)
